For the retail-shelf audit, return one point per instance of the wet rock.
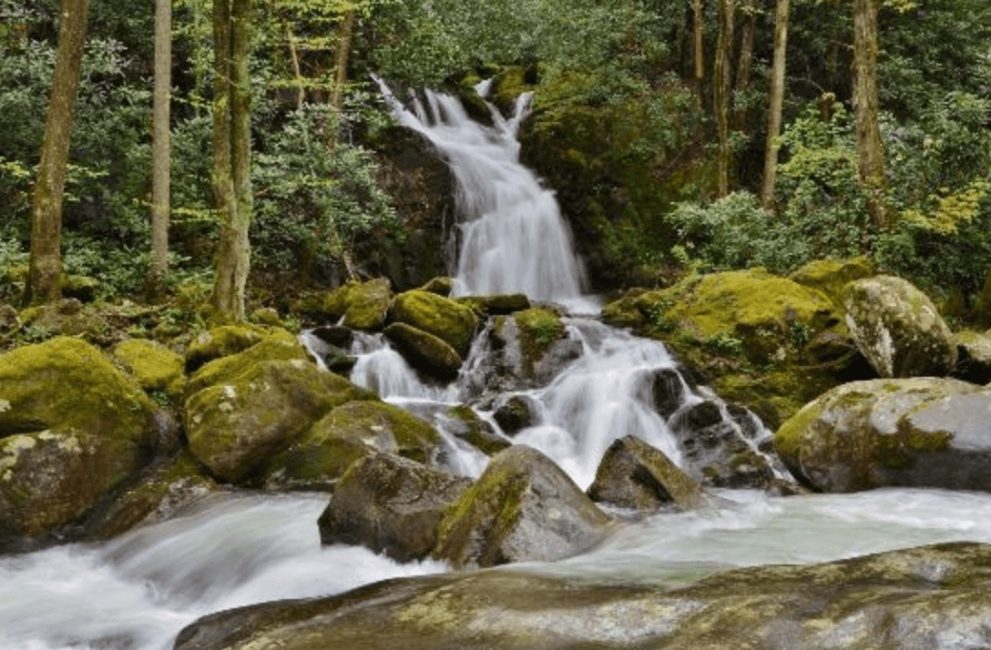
(516, 413)
(446, 319)
(390, 505)
(898, 328)
(668, 390)
(336, 335)
(973, 357)
(503, 304)
(931, 597)
(441, 285)
(522, 508)
(427, 353)
(156, 367)
(320, 456)
(463, 422)
(635, 475)
(339, 361)
(235, 426)
(922, 432)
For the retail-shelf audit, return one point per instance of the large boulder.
(973, 357)
(391, 505)
(898, 328)
(233, 427)
(932, 598)
(221, 342)
(635, 475)
(154, 366)
(522, 508)
(226, 369)
(320, 456)
(923, 432)
(446, 319)
(499, 304)
(462, 421)
(427, 353)
(830, 276)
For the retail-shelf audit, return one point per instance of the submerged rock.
(320, 456)
(635, 475)
(446, 319)
(932, 597)
(522, 508)
(390, 505)
(427, 353)
(923, 432)
(898, 328)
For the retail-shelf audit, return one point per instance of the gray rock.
(633, 474)
(973, 357)
(427, 353)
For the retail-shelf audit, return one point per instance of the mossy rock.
(635, 475)
(52, 478)
(973, 357)
(509, 84)
(236, 426)
(898, 328)
(539, 329)
(922, 432)
(441, 285)
(522, 508)
(224, 370)
(427, 353)
(319, 457)
(68, 386)
(363, 305)
(499, 304)
(81, 287)
(465, 423)
(830, 276)
(221, 342)
(156, 367)
(446, 319)
(267, 316)
(391, 505)
(68, 317)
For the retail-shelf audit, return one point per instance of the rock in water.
(633, 474)
(523, 508)
(932, 598)
(391, 505)
(898, 328)
(923, 432)
(427, 353)
(446, 319)
(973, 357)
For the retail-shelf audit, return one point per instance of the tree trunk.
(232, 153)
(44, 282)
(870, 151)
(698, 44)
(744, 65)
(776, 101)
(297, 70)
(342, 57)
(161, 153)
(723, 90)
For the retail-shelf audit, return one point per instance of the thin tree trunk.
(723, 90)
(698, 43)
(297, 70)
(161, 154)
(870, 150)
(776, 102)
(341, 59)
(232, 153)
(44, 283)
(744, 65)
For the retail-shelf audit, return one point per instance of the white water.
(512, 236)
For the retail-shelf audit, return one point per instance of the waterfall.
(513, 238)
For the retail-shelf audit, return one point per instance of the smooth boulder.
(635, 475)
(452, 322)
(427, 353)
(898, 329)
(922, 432)
(391, 505)
(522, 508)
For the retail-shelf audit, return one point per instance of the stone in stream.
(898, 328)
(427, 353)
(635, 475)
(922, 432)
(668, 391)
(498, 305)
(932, 598)
(442, 285)
(336, 335)
(453, 323)
(391, 505)
(515, 413)
(463, 422)
(522, 508)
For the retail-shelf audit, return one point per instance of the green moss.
(830, 276)
(221, 342)
(539, 330)
(155, 366)
(278, 347)
(446, 319)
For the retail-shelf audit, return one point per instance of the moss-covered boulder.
(973, 357)
(362, 305)
(522, 508)
(444, 318)
(221, 342)
(277, 347)
(235, 426)
(933, 597)
(441, 285)
(391, 505)
(635, 475)
(759, 339)
(80, 287)
(500, 304)
(922, 432)
(427, 353)
(156, 367)
(898, 328)
(463, 422)
(514, 413)
(830, 276)
(320, 456)
(68, 386)
(52, 478)
(68, 317)
(539, 329)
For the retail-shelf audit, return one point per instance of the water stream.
(139, 590)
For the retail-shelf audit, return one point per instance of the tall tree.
(44, 283)
(776, 102)
(342, 57)
(870, 150)
(722, 79)
(232, 152)
(161, 149)
(744, 65)
(698, 43)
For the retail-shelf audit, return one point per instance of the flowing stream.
(229, 549)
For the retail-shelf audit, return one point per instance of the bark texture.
(776, 102)
(870, 150)
(162, 148)
(722, 77)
